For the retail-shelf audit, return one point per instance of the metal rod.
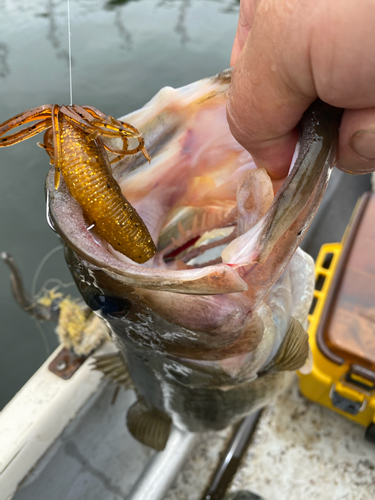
(163, 467)
(232, 457)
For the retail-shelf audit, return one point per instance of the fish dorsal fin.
(293, 351)
(113, 366)
(149, 425)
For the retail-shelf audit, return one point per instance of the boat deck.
(299, 449)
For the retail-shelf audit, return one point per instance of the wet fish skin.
(205, 345)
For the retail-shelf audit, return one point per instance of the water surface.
(123, 53)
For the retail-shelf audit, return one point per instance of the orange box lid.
(347, 329)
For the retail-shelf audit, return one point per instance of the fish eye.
(108, 305)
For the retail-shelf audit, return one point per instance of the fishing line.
(70, 56)
(58, 285)
(41, 264)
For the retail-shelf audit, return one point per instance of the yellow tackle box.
(342, 322)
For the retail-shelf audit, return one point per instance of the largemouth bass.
(212, 327)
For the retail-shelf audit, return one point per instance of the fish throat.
(199, 250)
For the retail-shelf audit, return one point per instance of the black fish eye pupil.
(109, 306)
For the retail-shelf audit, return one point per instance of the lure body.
(88, 176)
(74, 143)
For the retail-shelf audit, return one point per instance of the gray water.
(123, 53)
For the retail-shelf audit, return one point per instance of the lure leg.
(113, 128)
(94, 131)
(33, 114)
(123, 152)
(47, 145)
(24, 134)
(110, 124)
(77, 120)
(78, 117)
(56, 143)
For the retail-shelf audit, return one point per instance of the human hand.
(286, 54)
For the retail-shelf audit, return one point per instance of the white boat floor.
(304, 451)
(95, 457)
(300, 451)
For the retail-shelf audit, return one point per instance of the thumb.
(264, 106)
(245, 20)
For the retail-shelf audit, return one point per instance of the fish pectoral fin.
(294, 350)
(149, 425)
(113, 366)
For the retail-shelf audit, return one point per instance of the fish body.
(212, 327)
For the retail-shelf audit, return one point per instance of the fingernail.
(363, 144)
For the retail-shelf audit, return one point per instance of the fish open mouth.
(212, 214)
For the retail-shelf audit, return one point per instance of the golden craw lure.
(73, 140)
